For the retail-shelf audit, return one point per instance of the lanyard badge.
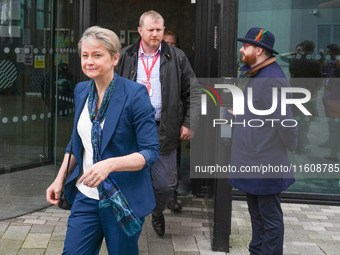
(148, 70)
(147, 84)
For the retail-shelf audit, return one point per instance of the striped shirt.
(155, 94)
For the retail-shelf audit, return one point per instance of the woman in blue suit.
(114, 142)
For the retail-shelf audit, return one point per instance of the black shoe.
(174, 205)
(158, 224)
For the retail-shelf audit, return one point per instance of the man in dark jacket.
(254, 148)
(166, 72)
(305, 72)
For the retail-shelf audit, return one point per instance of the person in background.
(331, 100)
(166, 72)
(171, 38)
(114, 143)
(305, 72)
(265, 145)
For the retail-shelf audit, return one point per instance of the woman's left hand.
(96, 174)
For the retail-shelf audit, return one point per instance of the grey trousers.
(164, 180)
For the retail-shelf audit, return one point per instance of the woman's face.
(96, 60)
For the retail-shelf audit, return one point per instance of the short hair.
(174, 34)
(152, 14)
(170, 32)
(308, 46)
(267, 52)
(334, 48)
(299, 45)
(106, 37)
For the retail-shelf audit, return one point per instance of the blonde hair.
(106, 37)
(152, 14)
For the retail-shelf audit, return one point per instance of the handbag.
(63, 203)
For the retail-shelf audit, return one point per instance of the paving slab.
(36, 241)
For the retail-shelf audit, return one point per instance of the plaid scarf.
(110, 194)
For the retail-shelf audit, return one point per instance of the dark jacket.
(267, 145)
(175, 72)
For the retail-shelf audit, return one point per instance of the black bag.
(63, 203)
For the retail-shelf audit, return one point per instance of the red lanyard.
(154, 60)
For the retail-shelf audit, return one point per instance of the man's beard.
(249, 59)
(154, 42)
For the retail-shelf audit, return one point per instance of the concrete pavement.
(309, 230)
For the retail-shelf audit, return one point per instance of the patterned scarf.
(110, 194)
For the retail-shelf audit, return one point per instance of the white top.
(84, 130)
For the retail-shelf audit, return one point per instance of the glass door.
(38, 64)
(66, 66)
(25, 74)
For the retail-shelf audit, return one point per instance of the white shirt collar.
(142, 51)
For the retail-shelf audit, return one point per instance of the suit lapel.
(82, 96)
(82, 99)
(114, 110)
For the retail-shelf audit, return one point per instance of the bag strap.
(69, 159)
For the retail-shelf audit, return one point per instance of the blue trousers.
(87, 225)
(267, 224)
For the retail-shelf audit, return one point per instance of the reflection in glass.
(307, 35)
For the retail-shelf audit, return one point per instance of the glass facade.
(25, 57)
(67, 71)
(305, 31)
(38, 47)
(38, 65)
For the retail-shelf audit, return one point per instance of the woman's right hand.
(53, 192)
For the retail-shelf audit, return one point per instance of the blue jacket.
(266, 145)
(129, 127)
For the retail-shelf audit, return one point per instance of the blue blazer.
(129, 127)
